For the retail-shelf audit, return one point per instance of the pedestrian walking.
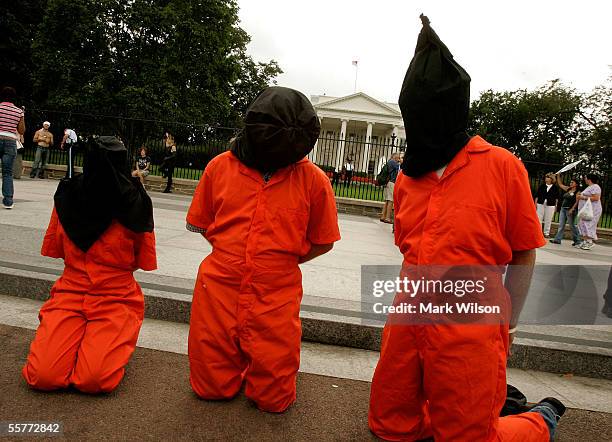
(546, 199)
(588, 227)
(12, 125)
(567, 214)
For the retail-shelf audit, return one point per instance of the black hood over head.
(89, 202)
(435, 103)
(280, 128)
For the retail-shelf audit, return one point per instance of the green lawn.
(362, 191)
(357, 190)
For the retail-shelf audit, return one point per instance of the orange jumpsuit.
(449, 381)
(89, 326)
(245, 321)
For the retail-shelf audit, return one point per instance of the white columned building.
(358, 128)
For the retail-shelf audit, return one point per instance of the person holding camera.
(167, 165)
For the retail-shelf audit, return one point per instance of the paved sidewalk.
(336, 275)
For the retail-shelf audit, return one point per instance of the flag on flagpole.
(568, 167)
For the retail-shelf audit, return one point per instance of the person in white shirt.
(69, 141)
(546, 202)
(349, 168)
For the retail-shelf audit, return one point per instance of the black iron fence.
(351, 163)
(196, 144)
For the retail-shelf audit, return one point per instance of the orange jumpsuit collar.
(476, 145)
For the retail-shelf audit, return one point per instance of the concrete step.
(578, 350)
(343, 362)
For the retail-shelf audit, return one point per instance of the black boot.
(33, 173)
(555, 404)
(551, 410)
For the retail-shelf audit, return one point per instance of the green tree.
(72, 55)
(596, 127)
(540, 125)
(176, 60)
(254, 77)
(18, 22)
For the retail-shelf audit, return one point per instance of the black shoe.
(555, 241)
(607, 310)
(167, 191)
(554, 404)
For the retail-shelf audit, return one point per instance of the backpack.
(383, 176)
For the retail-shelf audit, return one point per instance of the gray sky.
(503, 45)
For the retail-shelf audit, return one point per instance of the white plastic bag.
(586, 213)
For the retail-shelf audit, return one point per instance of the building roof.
(356, 103)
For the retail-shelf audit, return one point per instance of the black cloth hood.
(435, 103)
(281, 127)
(89, 202)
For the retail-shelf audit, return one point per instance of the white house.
(356, 127)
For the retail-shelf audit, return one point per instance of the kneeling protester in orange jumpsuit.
(265, 209)
(458, 201)
(102, 227)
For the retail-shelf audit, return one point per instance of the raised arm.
(561, 185)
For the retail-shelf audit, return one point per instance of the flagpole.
(356, 64)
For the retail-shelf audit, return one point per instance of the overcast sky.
(503, 45)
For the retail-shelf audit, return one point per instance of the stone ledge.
(528, 354)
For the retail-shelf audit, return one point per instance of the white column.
(367, 146)
(313, 153)
(340, 156)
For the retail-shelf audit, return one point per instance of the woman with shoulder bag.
(588, 224)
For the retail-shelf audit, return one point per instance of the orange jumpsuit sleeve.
(52, 245)
(397, 227)
(201, 213)
(146, 257)
(323, 221)
(523, 230)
